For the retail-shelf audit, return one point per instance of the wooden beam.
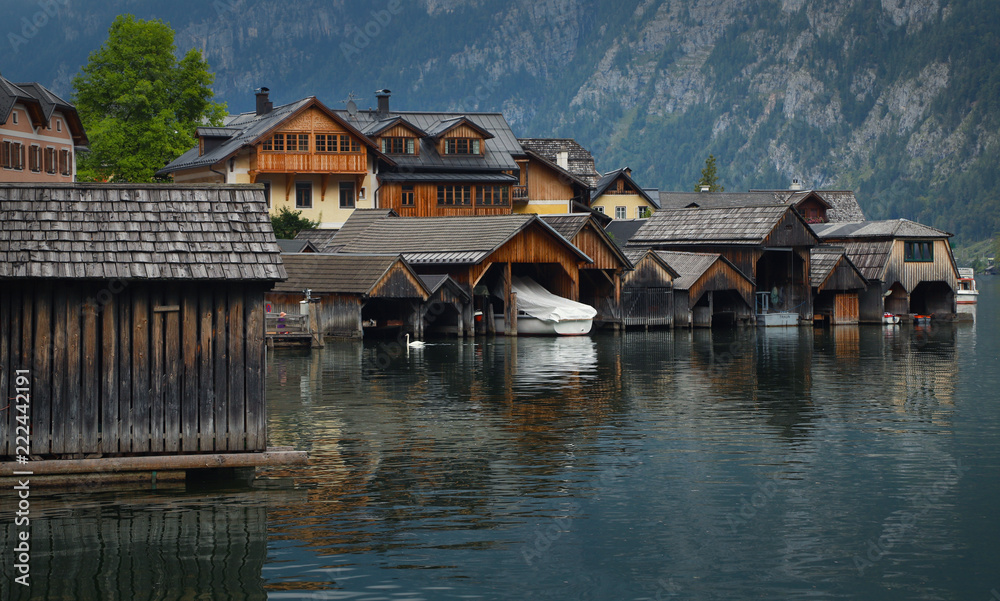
(158, 462)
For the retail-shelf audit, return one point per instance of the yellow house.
(556, 175)
(308, 158)
(617, 195)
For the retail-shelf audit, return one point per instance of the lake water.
(854, 463)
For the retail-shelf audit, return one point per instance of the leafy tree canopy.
(139, 104)
(708, 177)
(287, 223)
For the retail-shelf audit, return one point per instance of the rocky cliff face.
(897, 99)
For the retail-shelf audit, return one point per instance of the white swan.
(415, 343)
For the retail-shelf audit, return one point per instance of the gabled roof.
(435, 282)
(571, 224)
(346, 274)
(137, 232)
(691, 266)
(871, 257)
(843, 205)
(636, 255)
(247, 129)
(357, 222)
(823, 260)
(376, 127)
(893, 228)
(555, 167)
(725, 226)
(609, 178)
(579, 160)
(296, 246)
(715, 200)
(446, 240)
(499, 148)
(622, 230)
(320, 238)
(446, 125)
(41, 103)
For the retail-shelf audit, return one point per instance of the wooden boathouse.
(769, 244)
(137, 311)
(909, 266)
(648, 291)
(480, 253)
(837, 284)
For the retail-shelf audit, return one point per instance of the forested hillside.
(897, 99)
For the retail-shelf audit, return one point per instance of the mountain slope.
(898, 100)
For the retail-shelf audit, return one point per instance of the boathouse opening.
(934, 297)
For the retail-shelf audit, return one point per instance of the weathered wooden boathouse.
(709, 290)
(769, 244)
(909, 267)
(600, 278)
(837, 284)
(480, 253)
(137, 313)
(648, 291)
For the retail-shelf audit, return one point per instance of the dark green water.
(859, 463)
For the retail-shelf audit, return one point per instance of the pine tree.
(708, 177)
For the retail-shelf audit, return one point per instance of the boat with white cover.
(542, 313)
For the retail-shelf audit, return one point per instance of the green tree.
(139, 104)
(287, 223)
(708, 177)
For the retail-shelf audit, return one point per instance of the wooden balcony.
(303, 162)
(519, 194)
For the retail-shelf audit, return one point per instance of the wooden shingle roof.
(891, 228)
(580, 162)
(445, 240)
(691, 266)
(870, 256)
(722, 226)
(823, 260)
(346, 274)
(137, 232)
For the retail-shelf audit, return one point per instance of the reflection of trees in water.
(145, 548)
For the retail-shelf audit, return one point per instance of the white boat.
(539, 312)
(890, 319)
(768, 318)
(967, 295)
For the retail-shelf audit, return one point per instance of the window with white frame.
(621, 212)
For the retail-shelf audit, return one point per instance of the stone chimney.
(705, 188)
(796, 185)
(264, 105)
(383, 102)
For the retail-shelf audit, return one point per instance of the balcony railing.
(280, 162)
(519, 193)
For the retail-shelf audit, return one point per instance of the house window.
(303, 195)
(349, 144)
(621, 212)
(15, 117)
(297, 142)
(50, 160)
(643, 212)
(492, 195)
(918, 251)
(454, 195)
(398, 146)
(275, 143)
(64, 162)
(267, 193)
(58, 125)
(35, 158)
(407, 196)
(347, 195)
(462, 146)
(5, 161)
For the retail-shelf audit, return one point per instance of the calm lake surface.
(854, 463)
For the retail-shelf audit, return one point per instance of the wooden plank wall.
(135, 368)
(339, 314)
(425, 202)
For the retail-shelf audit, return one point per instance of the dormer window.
(462, 146)
(398, 146)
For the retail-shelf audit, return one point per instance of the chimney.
(383, 102)
(562, 159)
(796, 185)
(264, 105)
(705, 188)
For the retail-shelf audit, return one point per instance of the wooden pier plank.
(256, 426)
(90, 383)
(140, 400)
(173, 374)
(206, 380)
(67, 410)
(188, 410)
(125, 416)
(221, 370)
(237, 366)
(40, 343)
(157, 372)
(109, 374)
